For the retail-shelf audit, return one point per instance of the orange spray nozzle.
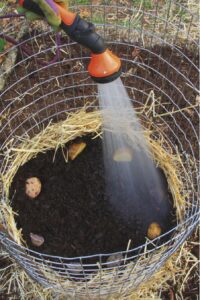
(104, 67)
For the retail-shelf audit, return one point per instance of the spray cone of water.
(133, 182)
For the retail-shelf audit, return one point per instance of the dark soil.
(73, 212)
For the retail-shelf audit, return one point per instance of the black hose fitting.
(83, 32)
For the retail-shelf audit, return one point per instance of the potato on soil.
(33, 187)
(153, 231)
(75, 149)
(37, 240)
(114, 260)
(123, 154)
(75, 268)
(2, 228)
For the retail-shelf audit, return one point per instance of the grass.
(79, 2)
(1, 6)
(146, 4)
(98, 19)
(2, 44)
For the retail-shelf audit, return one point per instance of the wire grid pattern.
(37, 94)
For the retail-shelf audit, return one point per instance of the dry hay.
(175, 272)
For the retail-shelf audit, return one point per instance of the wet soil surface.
(73, 212)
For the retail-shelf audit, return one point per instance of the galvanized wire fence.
(44, 76)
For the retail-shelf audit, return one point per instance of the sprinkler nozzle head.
(104, 67)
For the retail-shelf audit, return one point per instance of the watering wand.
(104, 66)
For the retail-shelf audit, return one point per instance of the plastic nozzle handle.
(32, 6)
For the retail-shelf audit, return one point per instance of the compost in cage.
(72, 212)
(155, 84)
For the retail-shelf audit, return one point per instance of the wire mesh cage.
(44, 76)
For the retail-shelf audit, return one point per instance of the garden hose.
(104, 66)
